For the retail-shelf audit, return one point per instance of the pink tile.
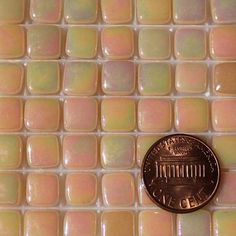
(80, 151)
(80, 114)
(154, 115)
(224, 115)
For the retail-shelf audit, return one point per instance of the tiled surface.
(86, 89)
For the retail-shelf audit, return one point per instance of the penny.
(181, 173)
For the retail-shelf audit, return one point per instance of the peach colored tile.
(37, 189)
(81, 189)
(118, 189)
(80, 114)
(224, 115)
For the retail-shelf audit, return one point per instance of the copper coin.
(181, 173)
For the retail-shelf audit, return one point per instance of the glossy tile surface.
(221, 43)
(42, 114)
(11, 151)
(81, 42)
(80, 223)
(117, 42)
(81, 189)
(190, 44)
(10, 223)
(199, 220)
(45, 11)
(224, 79)
(80, 151)
(117, 11)
(11, 78)
(118, 189)
(154, 115)
(111, 222)
(43, 151)
(154, 79)
(155, 223)
(12, 41)
(154, 43)
(43, 78)
(191, 78)
(37, 189)
(195, 110)
(189, 11)
(153, 12)
(38, 223)
(44, 42)
(117, 151)
(118, 77)
(118, 114)
(80, 78)
(11, 114)
(224, 115)
(80, 11)
(80, 114)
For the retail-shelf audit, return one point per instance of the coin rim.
(179, 211)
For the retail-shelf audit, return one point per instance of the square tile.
(81, 189)
(10, 223)
(144, 199)
(12, 41)
(191, 77)
(43, 77)
(118, 189)
(200, 220)
(223, 114)
(225, 148)
(190, 11)
(224, 223)
(11, 189)
(11, 151)
(226, 195)
(152, 12)
(223, 11)
(11, 78)
(80, 78)
(117, 151)
(81, 11)
(44, 42)
(154, 115)
(118, 77)
(81, 42)
(118, 114)
(80, 151)
(37, 189)
(117, 42)
(43, 151)
(155, 223)
(221, 43)
(80, 114)
(11, 114)
(111, 222)
(154, 43)
(80, 223)
(117, 11)
(144, 142)
(190, 44)
(46, 223)
(45, 11)
(191, 115)
(224, 79)
(154, 79)
(12, 11)
(42, 114)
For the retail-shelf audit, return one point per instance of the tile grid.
(100, 133)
